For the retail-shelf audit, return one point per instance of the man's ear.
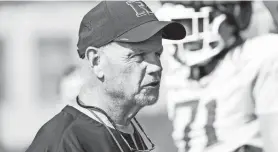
(92, 55)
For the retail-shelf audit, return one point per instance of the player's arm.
(266, 103)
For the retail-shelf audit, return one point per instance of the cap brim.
(170, 30)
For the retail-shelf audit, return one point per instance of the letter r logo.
(140, 8)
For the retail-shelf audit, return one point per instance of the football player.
(222, 88)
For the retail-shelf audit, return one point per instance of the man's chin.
(152, 101)
(148, 100)
(153, 97)
(147, 97)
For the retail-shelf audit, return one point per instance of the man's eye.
(138, 57)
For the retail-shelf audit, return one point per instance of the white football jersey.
(219, 112)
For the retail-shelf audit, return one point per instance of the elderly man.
(121, 41)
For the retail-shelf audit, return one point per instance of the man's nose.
(154, 64)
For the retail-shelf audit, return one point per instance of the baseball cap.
(123, 21)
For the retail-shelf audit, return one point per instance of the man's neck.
(120, 113)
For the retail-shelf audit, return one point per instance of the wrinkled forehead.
(151, 45)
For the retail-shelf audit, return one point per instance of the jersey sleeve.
(266, 88)
(265, 91)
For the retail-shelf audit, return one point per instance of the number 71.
(209, 129)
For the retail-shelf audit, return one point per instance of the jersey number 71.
(209, 129)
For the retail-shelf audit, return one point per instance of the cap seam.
(108, 41)
(110, 16)
(109, 11)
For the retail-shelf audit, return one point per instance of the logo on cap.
(140, 8)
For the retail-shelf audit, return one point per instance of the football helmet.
(206, 36)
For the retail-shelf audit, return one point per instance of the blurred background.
(39, 69)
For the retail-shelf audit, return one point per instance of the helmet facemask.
(203, 40)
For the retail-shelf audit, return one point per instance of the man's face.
(132, 71)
